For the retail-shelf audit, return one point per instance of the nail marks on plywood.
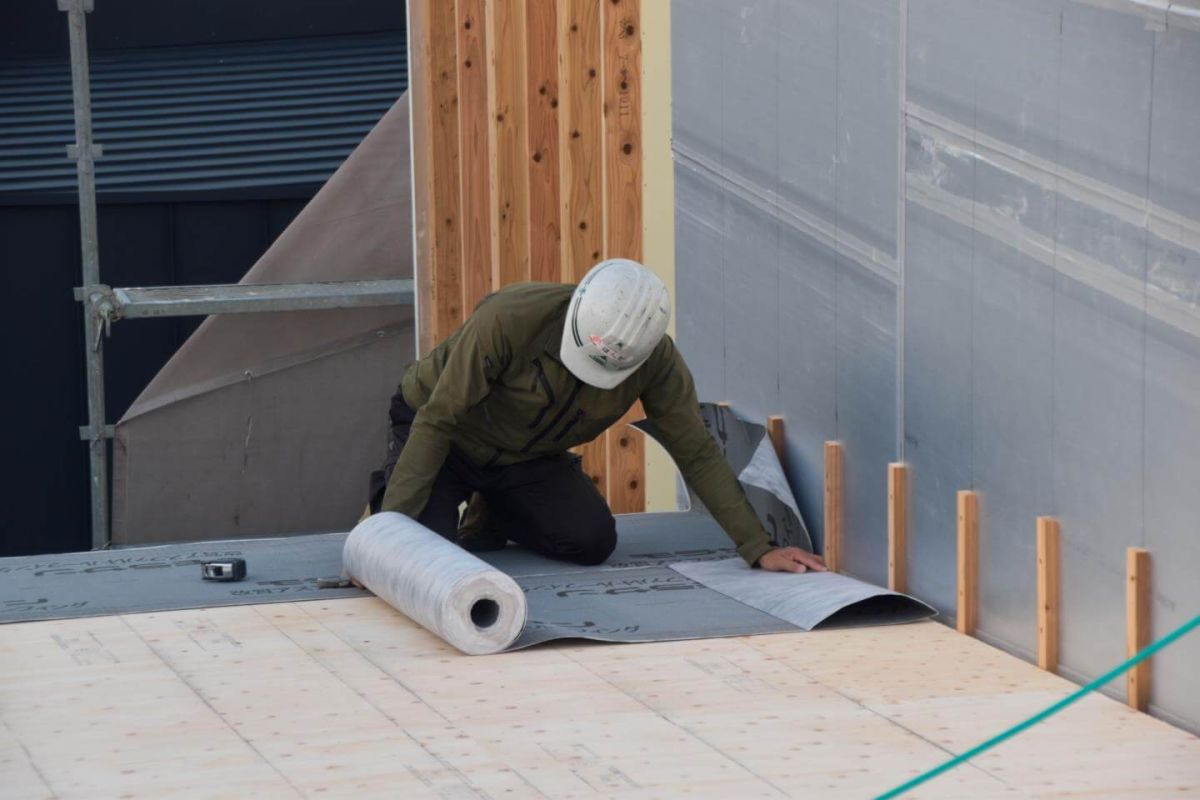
(349, 698)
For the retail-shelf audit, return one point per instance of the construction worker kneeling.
(489, 417)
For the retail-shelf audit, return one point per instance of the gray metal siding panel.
(1051, 286)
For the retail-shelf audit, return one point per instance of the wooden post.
(834, 514)
(898, 527)
(475, 134)
(968, 561)
(775, 433)
(1047, 592)
(507, 62)
(435, 118)
(545, 225)
(582, 168)
(627, 465)
(583, 139)
(622, 25)
(1137, 624)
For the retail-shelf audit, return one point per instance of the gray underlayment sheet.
(673, 576)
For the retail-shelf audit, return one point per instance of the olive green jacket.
(496, 391)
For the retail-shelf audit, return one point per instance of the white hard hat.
(617, 316)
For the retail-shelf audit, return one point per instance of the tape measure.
(230, 569)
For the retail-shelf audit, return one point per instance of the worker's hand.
(791, 559)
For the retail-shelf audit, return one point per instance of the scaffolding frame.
(103, 305)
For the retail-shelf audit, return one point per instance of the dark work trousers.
(547, 504)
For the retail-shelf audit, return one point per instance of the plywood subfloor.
(349, 698)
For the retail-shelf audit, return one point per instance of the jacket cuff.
(753, 551)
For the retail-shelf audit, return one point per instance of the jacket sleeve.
(670, 402)
(478, 357)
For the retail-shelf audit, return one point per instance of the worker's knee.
(596, 542)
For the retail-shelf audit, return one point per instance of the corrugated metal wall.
(1026, 322)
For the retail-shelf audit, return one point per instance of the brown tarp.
(265, 424)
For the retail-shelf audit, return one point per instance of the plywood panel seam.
(29, 759)
(200, 696)
(678, 725)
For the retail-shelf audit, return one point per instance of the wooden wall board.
(439, 42)
(627, 464)
(622, 33)
(583, 138)
(506, 43)
(528, 114)
(421, 115)
(544, 151)
(349, 698)
(475, 102)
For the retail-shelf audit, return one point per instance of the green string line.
(1150, 650)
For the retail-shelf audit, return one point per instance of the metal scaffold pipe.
(84, 152)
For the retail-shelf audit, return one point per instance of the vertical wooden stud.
(834, 514)
(582, 168)
(420, 90)
(623, 127)
(1137, 624)
(507, 62)
(968, 561)
(545, 229)
(622, 63)
(475, 133)
(898, 527)
(583, 139)
(435, 112)
(627, 465)
(775, 434)
(1047, 593)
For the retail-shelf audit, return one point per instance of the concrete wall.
(964, 234)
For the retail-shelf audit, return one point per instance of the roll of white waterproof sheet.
(449, 592)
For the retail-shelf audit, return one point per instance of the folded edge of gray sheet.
(807, 600)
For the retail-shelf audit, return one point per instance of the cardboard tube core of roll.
(451, 593)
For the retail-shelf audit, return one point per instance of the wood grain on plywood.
(348, 697)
